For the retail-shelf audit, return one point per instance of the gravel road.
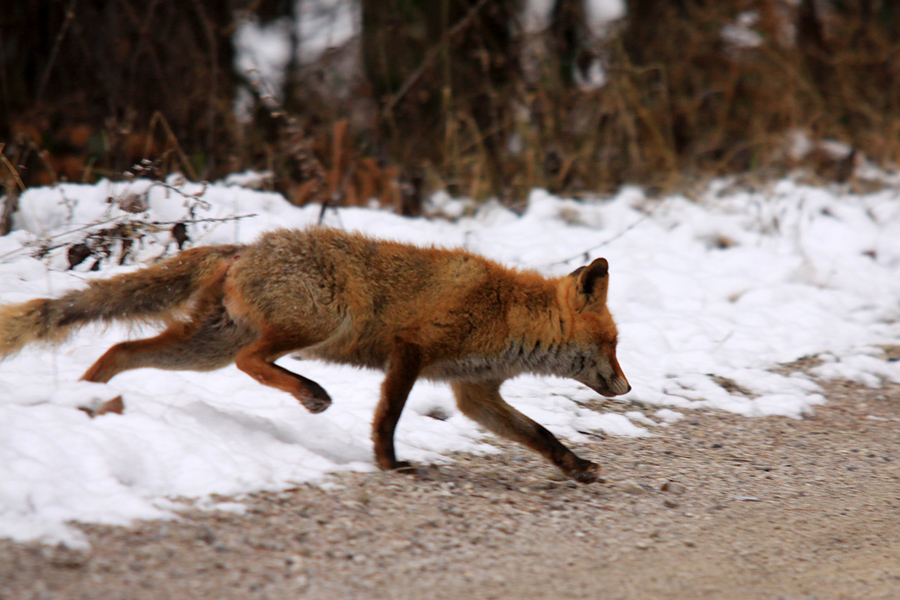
(715, 506)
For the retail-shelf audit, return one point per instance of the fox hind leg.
(256, 360)
(181, 347)
(482, 403)
(211, 345)
(207, 339)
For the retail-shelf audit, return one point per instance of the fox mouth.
(610, 389)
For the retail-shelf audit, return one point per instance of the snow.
(709, 295)
(264, 49)
(537, 14)
(740, 34)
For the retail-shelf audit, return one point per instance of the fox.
(441, 314)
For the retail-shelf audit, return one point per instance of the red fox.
(447, 315)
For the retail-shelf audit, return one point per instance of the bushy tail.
(150, 294)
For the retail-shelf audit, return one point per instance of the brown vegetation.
(444, 96)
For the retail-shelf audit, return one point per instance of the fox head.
(594, 331)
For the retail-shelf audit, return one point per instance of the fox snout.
(607, 380)
(616, 386)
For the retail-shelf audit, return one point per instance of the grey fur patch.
(563, 360)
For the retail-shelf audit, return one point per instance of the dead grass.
(680, 103)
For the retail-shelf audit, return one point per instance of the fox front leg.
(482, 402)
(403, 368)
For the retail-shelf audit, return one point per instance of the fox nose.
(620, 386)
(611, 387)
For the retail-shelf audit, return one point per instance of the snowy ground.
(705, 293)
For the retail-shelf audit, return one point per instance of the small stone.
(205, 534)
(632, 487)
(68, 558)
(669, 503)
(115, 406)
(673, 487)
(294, 563)
(98, 407)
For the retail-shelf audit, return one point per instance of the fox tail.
(152, 294)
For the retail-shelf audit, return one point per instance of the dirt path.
(717, 506)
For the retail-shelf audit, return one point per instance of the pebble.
(294, 563)
(632, 487)
(205, 534)
(68, 558)
(673, 487)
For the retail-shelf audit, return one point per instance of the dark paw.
(317, 402)
(316, 405)
(590, 474)
(401, 466)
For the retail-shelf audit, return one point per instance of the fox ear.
(593, 280)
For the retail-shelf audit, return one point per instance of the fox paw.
(590, 474)
(316, 405)
(314, 399)
(406, 468)
(312, 395)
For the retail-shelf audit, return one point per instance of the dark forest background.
(448, 94)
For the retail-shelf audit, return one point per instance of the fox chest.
(472, 368)
(514, 360)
